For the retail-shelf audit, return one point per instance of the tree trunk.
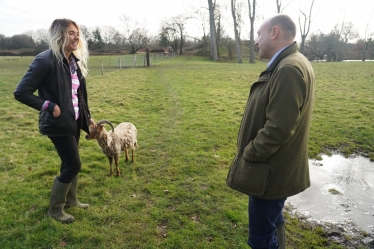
(213, 38)
(279, 3)
(181, 46)
(218, 33)
(306, 27)
(204, 43)
(363, 58)
(252, 14)
(237, 38)
(302, 45)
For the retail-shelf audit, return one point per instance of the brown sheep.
(119, 139)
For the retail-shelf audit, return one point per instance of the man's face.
(263, 41)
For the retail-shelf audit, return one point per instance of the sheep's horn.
(105, 122)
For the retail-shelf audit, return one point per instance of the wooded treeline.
(218, 39)
(343, 42)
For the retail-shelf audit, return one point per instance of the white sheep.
(119, 139)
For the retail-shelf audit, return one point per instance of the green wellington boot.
(71, 197)
(57, 202)
(280, 233)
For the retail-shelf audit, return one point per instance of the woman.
(58, 75)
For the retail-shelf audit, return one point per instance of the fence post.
(134, 60)
(120, 66)
(102, 68)
(147, 55)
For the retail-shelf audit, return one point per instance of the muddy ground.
(346, 235)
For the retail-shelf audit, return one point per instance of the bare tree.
(97, 38)
(135, 35)
(229, 44)
(173, 32)
(21, 41)
(316, 47)
(334, 44)
(252, 14)
(41, 38)
(169, 36)
(111, 36)
(279, 5)
(200, 14)
(213, 38)
(2, 41)
(178, 23)
(235, 16)
(304, 29)
(217, 18)
(329, 45)
(348, 32)
(85, 32)
(365, 43)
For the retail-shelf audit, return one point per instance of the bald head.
(275, 34)
(286, 24)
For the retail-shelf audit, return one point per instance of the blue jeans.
(264, 215)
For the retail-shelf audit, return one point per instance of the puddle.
(341, 192)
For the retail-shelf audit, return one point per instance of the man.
(272, 159)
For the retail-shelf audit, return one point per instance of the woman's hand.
(56, 111)
(92, 122)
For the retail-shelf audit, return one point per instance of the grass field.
(187, 111)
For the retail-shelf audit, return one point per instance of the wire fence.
(105, 64)
(97, 64)
(140, 60)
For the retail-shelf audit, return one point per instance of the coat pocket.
(46, 118)
(64, 124)
(248, 178)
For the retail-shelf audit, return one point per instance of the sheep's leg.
(110, 164)
(132, 155)
(127, 154)
(116, 160)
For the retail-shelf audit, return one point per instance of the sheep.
(121, 138)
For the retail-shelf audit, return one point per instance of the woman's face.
(73, 37)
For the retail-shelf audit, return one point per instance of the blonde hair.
(59, 39)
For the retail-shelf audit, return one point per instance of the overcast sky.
(21, 16)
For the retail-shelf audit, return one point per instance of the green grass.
(187, 111)
(342, 117)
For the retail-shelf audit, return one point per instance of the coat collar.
(287, 51)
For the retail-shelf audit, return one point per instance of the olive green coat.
(272, 158)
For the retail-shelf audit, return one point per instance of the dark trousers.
(264, 215)
(67, 149)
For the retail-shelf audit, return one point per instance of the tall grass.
(187, 111)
